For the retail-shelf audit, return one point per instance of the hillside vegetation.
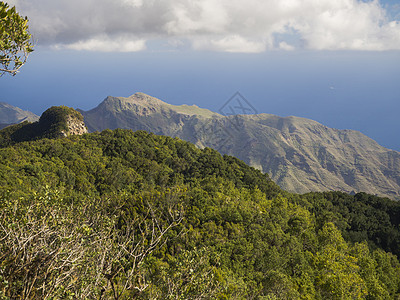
(132, 215)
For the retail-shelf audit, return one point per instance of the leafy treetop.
(15, 40)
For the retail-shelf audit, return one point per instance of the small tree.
(54, 248)
(15, 40)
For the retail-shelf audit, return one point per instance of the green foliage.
(173, 275)
(15, 40)
(123, 215)
(361, 217)
(337, 271)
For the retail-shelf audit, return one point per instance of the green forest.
(133, 215)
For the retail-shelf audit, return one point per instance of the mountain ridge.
(299, 154)
(10, 114)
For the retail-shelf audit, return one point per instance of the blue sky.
(337, 62)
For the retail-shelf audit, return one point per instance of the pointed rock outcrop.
(56, 122)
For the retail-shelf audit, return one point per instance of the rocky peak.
(61, 121)
(56, 122)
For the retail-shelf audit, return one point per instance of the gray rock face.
(11, 115)
(75, 127)
(300, 155)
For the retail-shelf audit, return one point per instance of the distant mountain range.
(12, 115)
(300, 155)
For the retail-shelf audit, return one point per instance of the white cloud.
(197, 17)
(223, 25)
(106, 44)
(133, 3)
(233, 43)
(286, 46)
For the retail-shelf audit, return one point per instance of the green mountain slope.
(300, 155)
(123, 215)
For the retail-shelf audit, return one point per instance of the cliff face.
(75, 126)
(300, 155)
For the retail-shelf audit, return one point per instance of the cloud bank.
(215, 25)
